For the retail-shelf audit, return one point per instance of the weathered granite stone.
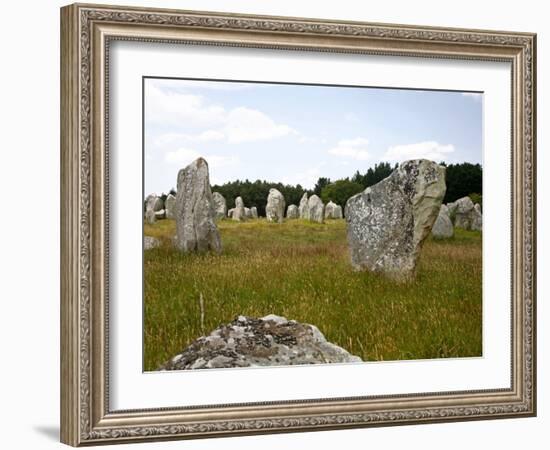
(275, 208)
(230, 213)
(252, 342)
(387, 223)
(254, 212)
(316, 209)
(196, 228)
(302, 208)
(170, 207)
(150, 242)
(463, 213)
(150, 217)
(159, 215)
(220, 205)
(333, 211)
(477, 218)
(247, 213)
(238, 211)
(292, 212)
(443, 227)
(154, 203)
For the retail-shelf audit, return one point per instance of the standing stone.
(247, 213)
(159, 215)
(238, 211)
(275, 209)
(387, 223)
(170, 207)
(315, 209)
(302, 208)
(230, 213)
(154, 203)
(220, 205)
(254, 212)
(463, 213)
(150, 216)
(292, 212)
(477, 218)
(333, 211)
(443, 227)
(195, 216)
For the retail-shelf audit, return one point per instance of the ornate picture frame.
(87, 32)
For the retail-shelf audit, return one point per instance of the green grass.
(301, 270)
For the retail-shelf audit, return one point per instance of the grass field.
(301, 270)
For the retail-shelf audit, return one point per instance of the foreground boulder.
(150, 242)
(252, 342)
(387, 223)
(443, 227)
(196, 229)
(220, 205)
(238, 212)
(292, 212)
(315, 209)
(170, 207)
(333, 211)
(275, 208)
(303, 207)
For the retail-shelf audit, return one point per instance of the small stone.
(170, 207)
(303, 207)
(443, 227)
(316, 209)
(333, 211)
(254, 212)
(238, 212)
(220, 205)
(292, 212)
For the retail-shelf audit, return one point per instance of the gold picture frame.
(86, 33)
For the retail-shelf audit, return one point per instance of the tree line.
(462, 180)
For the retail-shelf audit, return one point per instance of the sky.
(297, 133)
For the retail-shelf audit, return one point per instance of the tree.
(340, 191)
(321, 183)
(462, 180)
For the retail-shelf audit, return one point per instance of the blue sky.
(296, 134)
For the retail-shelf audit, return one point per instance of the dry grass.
(301, 270)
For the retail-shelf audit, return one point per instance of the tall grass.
(301, 270)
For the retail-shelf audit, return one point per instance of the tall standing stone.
(315, 209)
(292, 212)
(195, 216)
(302, 208)
(387, 223)
(220, 205)
(254, 212)
(170, 207)
(238, 211)
(275, 208)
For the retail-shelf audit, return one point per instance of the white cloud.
(351, 148)
(473, 95)
(422, 150)
(185, 156)
(235, 126)
(246, 125)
